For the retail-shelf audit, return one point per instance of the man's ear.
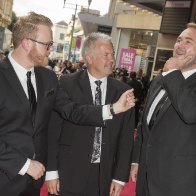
(26, 44)
(89, 59)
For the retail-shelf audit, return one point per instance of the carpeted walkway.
(129, 190)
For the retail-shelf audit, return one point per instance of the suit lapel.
(15, 84)
(40, 94)
(162, 111)
(156, 88)
(111, 92)
(84, 83)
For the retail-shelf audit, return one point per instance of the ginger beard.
(37, 58)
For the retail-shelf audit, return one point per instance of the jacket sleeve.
(137, 144)
(54, 131)
(77, 113)
(125, 147)
(11, 161)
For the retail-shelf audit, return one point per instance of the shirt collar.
(186, 74)
(93, 79)
(19, 69)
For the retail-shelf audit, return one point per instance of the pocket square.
(49, 92)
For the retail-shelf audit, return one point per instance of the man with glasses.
(29, 93)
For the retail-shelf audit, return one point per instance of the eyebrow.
(189, 38)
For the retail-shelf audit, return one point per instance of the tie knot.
(29, 75)
(98, 83)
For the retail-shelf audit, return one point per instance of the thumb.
(111, 189)
(58, 186)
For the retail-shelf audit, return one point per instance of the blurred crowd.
(139, 82)
(61, 67)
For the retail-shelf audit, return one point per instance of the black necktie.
(32, 97)
(98, 130)
(157, 110)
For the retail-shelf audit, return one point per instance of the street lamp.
(73, 26)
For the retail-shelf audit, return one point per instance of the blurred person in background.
(137, 86)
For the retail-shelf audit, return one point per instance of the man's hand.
(177, 63)
(125, 102)
(53, 186)
(115, 189)
(36, 170)
(133, 172)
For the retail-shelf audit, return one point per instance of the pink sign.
(127, 58)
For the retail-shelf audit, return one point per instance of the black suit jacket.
(168, 153)
(19, 140)
(71, 154)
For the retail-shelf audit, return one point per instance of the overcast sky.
(54, 8)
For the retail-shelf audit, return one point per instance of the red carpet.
(129, 190)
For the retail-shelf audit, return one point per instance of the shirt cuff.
(119, 182)
(134, 163)
(167, 72)
(51, 175)
(106, 112)
(24, 169)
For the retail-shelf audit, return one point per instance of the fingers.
(58, 186)
(177, 62)
(115, 189)
(53, 186)
(36, 169)
(130, 98)
(111, 188)
(125, 102)
(133, 172)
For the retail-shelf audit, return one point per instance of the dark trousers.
(93, 184)
(30, 191)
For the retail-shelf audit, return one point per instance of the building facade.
(5, 18)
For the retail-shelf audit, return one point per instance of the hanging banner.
(127, 58)
(78, 42)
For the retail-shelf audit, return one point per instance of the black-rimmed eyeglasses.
(47, 44)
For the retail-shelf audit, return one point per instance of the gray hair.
(90, 42)
(191, 25)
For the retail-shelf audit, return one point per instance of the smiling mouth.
(180, 52)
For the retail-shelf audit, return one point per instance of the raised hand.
(125, 102)
(181, 63)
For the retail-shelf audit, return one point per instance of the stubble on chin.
(189, 65)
